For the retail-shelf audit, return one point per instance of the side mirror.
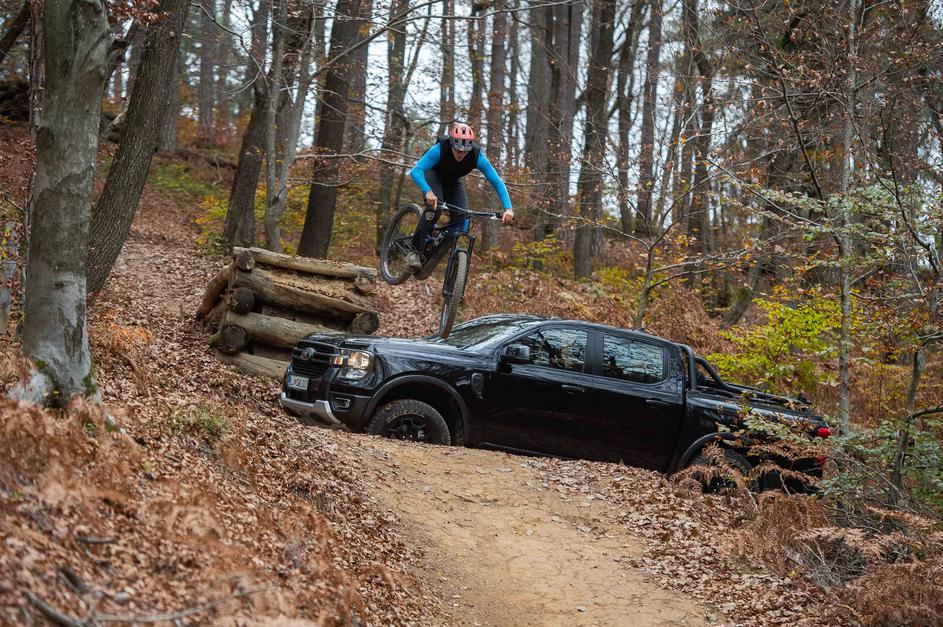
(516, 354)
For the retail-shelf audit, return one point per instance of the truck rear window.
(632, 360)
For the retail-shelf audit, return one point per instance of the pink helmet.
(462, 137)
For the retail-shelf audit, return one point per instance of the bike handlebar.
(491, 215)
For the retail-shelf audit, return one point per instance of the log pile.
(261, 303)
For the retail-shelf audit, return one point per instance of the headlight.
(356, 364)
(360, 360)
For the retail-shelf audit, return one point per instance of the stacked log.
(258, 306)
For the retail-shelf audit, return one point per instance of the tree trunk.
(698, 215)
(135, 43)
(290, 124)
(477, 33)
(239, 229)
(55, 332)
(644, 224)
(512, 135)
(36, 66)
(167, 136)
(537, 121)
(224, 53)
(590, 184)
(396, 117)
(112, 216)
(356, 98)
(495, 136)
(322, 199)
(14, 27)
(565, 28)
(206, 91)
(447, 82)
(274, 86)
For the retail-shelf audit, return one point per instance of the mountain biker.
(438, 174)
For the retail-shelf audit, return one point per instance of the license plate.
(298, 383)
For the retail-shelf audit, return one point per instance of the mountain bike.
(398, 243)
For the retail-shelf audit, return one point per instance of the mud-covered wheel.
(408, 419)
(455, 285)
(397, 243)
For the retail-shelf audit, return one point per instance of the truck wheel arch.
(700, 443)
(384, 392)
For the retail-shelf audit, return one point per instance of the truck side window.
(564, 349)
(631, 360)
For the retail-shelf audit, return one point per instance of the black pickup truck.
(538, 386)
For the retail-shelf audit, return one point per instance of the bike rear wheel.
(397, 243)
(453, 291)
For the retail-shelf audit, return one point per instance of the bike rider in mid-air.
(438, 174)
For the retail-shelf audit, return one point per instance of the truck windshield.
(483, 332)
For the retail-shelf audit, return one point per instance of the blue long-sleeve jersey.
(431, 158)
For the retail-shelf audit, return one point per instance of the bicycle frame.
(432, 261)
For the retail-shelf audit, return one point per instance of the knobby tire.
(458, 277)
(391, 277)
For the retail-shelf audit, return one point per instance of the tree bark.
(167, 136)
(224, 54)
(253, 364)
(477, 34)
(112, 216)
(322, 199)
(206, 91)
(356, 98)
(304, 295)
(496, 89)
(135, 43)
(512, 135)
(590, 185)
(644, 225)
(396, 116)
(447, 82)
(14, 28)
(565, 28)
(239, 229)
(55, 333)
(310, 266)
(36, 67)
(272, 330)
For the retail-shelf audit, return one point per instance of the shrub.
(789, 352)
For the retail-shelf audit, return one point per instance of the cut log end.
(365, 323)
(243, 300)
(245, 260)
(232, 339)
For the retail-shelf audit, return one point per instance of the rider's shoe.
(413, 261)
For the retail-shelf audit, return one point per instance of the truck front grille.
(318, 362)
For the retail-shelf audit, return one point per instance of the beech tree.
(329, 136)
(594, 137)
(118, 203)
(55, 330)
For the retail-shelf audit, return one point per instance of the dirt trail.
(500, 547)
(505, 549)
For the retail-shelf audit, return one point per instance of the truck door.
(637, 400)
(530, 405)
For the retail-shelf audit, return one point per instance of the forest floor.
(214, 500)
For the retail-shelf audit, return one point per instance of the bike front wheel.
(398, 243)
(453, 291)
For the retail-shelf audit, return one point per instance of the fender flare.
(407, 379)
(701, 442)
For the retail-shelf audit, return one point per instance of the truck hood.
(391, 346)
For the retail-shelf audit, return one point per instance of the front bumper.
(319, 409)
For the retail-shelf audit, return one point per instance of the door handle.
(654, 402)
(573, 389)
